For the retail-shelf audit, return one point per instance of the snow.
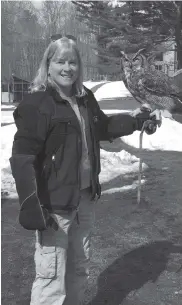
(112, 90)
(167, 137)
(7, 181)
(113, 164)
(115, 111)
(3, 106)
(7, 117)
(90, 84)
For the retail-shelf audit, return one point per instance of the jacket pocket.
(45, 262)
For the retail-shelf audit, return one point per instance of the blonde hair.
(42, 80)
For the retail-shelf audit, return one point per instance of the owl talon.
(157, 117)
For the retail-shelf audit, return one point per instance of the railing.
(13, 91)
(19, 89)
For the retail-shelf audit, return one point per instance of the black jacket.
(56, 183)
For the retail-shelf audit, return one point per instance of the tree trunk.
(178, 34)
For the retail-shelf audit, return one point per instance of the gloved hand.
(151, 119)
(33, 216)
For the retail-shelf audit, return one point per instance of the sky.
(113, 164)
(37, 4)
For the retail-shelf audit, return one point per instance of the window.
(159, 56)
(158, 67)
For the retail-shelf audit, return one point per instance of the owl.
(149, 86)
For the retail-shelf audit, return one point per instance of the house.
(18, 88)
(14, 90)
(166, 60)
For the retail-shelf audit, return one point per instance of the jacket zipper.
(62, 153)
(79, 182)
(92, 149)
(53, 157)
(79, 160)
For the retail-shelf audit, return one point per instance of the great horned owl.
(149, 86)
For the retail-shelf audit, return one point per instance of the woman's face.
(64, 68)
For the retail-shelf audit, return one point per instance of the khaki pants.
(62, 257)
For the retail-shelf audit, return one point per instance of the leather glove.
(33, 216)
(151, 119)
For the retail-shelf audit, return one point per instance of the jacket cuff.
(24, 174)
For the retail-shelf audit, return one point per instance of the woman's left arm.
(118, 125)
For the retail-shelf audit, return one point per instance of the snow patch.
(114, 164)
(3, 106)
(112, 90)
(90, 84)
(167, 137)
(7, 181)
(115, 111)
(7, 117)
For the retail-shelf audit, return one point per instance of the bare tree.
(20, 34)
(26, 33)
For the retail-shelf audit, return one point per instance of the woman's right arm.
(31, 132)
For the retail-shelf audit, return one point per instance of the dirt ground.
(136, 250)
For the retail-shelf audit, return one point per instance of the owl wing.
(162, 92)
(159, 84)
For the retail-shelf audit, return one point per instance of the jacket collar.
(56, 96)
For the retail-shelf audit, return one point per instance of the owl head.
(139, 60)
(134, 62)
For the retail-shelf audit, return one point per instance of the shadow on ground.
(132, 271)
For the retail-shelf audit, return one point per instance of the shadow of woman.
(131, 271)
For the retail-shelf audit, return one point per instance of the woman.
(55, 162)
